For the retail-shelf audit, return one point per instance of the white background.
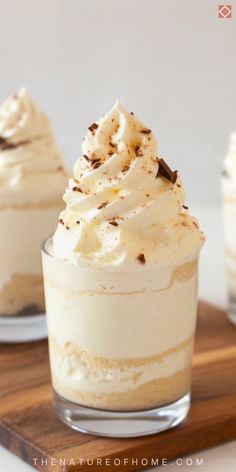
(172, 62)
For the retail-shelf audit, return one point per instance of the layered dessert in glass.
(121, 286)
(229, 213)
(32, 178)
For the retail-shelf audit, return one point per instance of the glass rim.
(45, 250)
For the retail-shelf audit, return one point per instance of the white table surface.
(213, 289)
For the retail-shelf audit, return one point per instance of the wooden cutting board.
(30, 428)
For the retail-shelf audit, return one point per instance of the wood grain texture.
(30, 428)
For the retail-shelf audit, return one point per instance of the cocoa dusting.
(141, 258)
(77, 189)
(113, 223)
(95, 163)
(93, 127)
(5, 144)
(125, 168)
(103, 205)
(146, 131)
(139, 153)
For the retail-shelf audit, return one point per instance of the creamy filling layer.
(149, 395)
(23, 294)
(79, 370)
(121, 326)
(23, 231)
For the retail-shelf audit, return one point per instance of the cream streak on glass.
(32, 178)
(121, 274)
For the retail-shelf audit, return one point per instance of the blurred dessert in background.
(229, 214)
(32, 178)
(121, 274)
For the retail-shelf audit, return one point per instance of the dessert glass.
(22, 306)
(120, 345)
(32, 178)
(229, 215)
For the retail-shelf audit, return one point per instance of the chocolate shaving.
(165, 171)
(113, 223)
(146, 131)
(132, 113)
(93, 127)
(61, 221)
(77, 189)
(78, 222)
(86, 157)
(5, 144)
(185, 207)
(112, 145)
(103, 205)
(141, 258)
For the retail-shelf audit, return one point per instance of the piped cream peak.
(128, 202)
(30, 161)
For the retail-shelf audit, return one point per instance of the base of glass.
(232, 309)
(121, 424)
(16, 329)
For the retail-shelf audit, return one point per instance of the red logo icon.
(224, 11)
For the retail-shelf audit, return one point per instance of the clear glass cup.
(229, 216)
(22, 306)
(120, 345)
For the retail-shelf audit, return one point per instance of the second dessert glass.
(228, 185)
(32, 179)
(120, 278)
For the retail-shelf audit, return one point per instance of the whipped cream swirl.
(121, 213)
(31, 166)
